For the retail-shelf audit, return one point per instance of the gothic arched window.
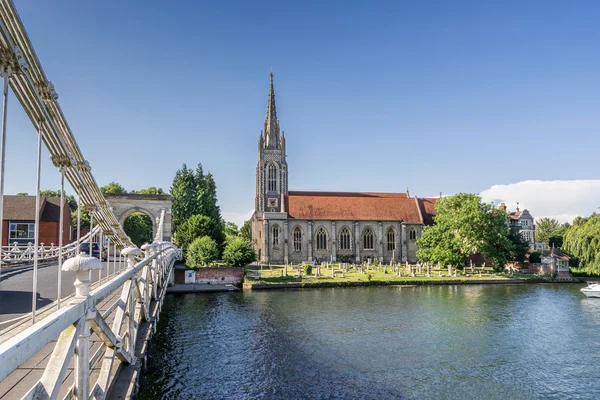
(391, 239)
(368, 239)
(275, 235)
(345, 239)
(412, 234)
(297, 235)
(272, 178)
(321, 239)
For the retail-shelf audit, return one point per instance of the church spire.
(271, 122)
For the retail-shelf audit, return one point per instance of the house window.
(368, 239)
(391, 239)
(21, 230)
(275, 235)
(412, 234)
(297, 239)
(272, 178)
(321, 239)
(345, 243)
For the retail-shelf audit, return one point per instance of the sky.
(496, 98)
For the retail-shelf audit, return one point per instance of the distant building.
(19, 220)
(522, 222)
(560, 260)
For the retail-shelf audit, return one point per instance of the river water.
(427, 342)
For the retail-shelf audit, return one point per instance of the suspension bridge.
(81, 344)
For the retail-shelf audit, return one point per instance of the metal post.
(5, 75)
(61, 233)
(78, 221)
(91, 227)
(37, 225)
(108, 259)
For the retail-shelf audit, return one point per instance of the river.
(426, 342)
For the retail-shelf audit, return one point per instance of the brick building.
(19, 220)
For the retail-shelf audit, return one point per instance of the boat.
(592, 289)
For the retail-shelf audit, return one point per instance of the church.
(297, 226)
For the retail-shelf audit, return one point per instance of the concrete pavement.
(16, 287)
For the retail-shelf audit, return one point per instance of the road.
(17, 284)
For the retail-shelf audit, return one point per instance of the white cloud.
(563, 200)
(237, 218)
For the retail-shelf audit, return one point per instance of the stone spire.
(271, 130)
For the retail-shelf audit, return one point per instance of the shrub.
(197, 226)
(307, 269)
(376, 262)
(202, 252)
(238, 252)
(369, 276)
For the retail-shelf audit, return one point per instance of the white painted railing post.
(83, 265)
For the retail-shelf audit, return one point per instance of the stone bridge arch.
(150, 204)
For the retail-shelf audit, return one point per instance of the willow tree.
(582, 241)
(465, 226)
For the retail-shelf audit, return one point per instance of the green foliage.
(56, 193)
(245, 230)
(150, 190)
(535, 257)
(22, 194)
(139, 228)
(201, 252)
(544, 227)
(557, 237)
(465, 226)
(184, 196)
(198, 226)
(307, 268)
(113, 188)
(231, 229)
(369, 277)
(376, 262)
(238, 252)
(582, 240)
(520, 247)
(208, 199)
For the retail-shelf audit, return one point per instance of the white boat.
(592, 289)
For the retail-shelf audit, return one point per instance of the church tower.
(271, 170)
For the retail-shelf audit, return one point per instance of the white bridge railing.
(142, 288)
(17, 254)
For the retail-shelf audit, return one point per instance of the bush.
(202, 252)
(238, 252)
(369, 277)
(376, 262)
(307, 269)
(197, 226)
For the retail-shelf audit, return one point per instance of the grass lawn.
(275, 274)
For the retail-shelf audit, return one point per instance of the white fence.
(142, 288)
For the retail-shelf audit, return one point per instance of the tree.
(245, 231)
(520, 246)
(238, 252)
(139, 228)
(557, 237)
(231, 229)
(465, 226)
(22, 194)
(202, 252)
(198, 226)
(150, 190)
(183, 192)
(113, 188)
(582, 240)
(209, 199)
(544, 227)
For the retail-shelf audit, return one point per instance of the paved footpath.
(16, 287)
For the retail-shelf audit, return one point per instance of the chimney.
(502, 206)
(407, 193)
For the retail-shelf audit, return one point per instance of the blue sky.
(373, 96)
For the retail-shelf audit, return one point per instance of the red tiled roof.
(428, 209)
(353, 206)
(515, 215)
